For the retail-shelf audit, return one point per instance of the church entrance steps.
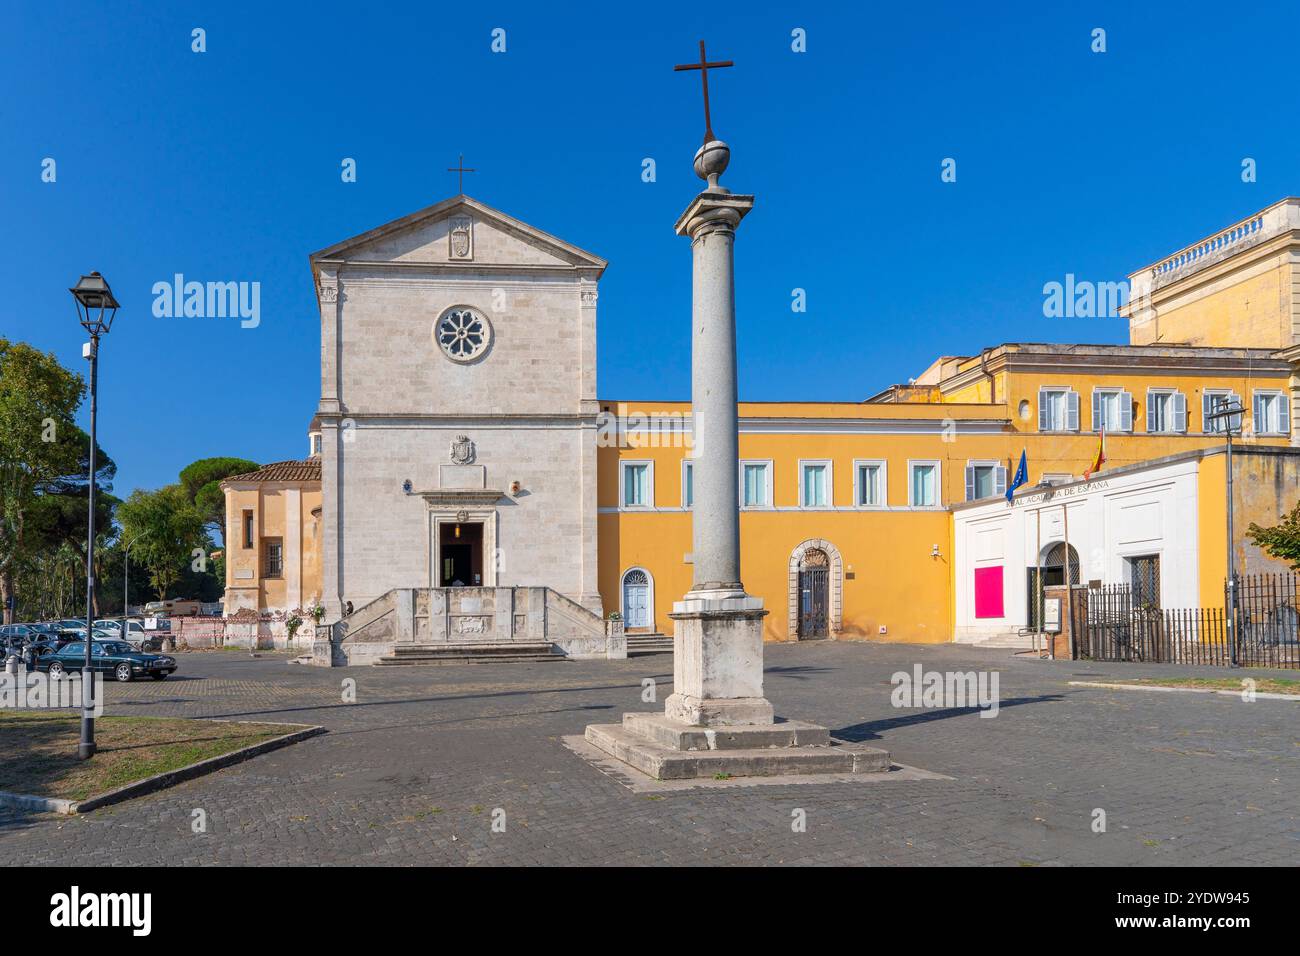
(649, 644)
(1007, 642)
(645, 742)
(464, 623)
(478, 652)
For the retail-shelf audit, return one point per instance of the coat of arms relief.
(460, 238)
(462, 450)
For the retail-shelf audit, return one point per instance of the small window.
(636, 484)
(815, 485)
(1166, 412)
(688, 483)
(274, 558)
(1270, 414)
(985, 479)
(924, 485)
(870, 481)
(1112, 410)
(315, 444)
(1058, 410)
(248, 529)
(1218, 400)
(753, 485)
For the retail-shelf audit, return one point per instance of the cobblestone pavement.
(412, 772)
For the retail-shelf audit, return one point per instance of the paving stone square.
(417, 769)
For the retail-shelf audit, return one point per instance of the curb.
(1259, 694)
(160, 781)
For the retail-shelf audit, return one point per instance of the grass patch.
(40, 749)
(1262, 685)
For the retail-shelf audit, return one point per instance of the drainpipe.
(984, 367)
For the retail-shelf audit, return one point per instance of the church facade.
(462, 443)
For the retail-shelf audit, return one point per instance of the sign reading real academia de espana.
(1052, 494)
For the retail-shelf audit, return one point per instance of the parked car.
(74, 626)
(114, 657)
(36, 650)
(24, 633)
(135, 633)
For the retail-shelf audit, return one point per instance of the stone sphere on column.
(711, 161)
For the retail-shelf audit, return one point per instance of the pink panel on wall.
(988, 592)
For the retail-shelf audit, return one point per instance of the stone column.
(718, 664)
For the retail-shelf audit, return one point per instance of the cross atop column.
(461, 169)
(704, 66)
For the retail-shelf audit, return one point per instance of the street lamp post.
(1226, 414)
(95, 310)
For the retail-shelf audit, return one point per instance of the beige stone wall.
(280, 510)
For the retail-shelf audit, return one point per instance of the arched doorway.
(638, 599)
(815, 590)
(1052, 562)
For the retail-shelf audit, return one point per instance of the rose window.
(462, 334)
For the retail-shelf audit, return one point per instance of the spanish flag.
(1099, 459)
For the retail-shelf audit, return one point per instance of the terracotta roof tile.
(308, 470)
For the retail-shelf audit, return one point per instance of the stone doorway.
(460, 553)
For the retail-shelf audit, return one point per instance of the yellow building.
(865, 490)
(273, 518)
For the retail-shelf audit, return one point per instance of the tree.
(201, 481)
(38, 398)
(166, 528)
(1281, 541)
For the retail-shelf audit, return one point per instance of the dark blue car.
(117, 658)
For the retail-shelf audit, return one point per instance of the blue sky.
(225, 166)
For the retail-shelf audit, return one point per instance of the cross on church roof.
(461, 169)
(704, 66)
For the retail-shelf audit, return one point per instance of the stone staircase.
(640, 644)
(467, 625)
(476, 653)
(1016, 642)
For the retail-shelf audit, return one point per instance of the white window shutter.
(1072, 411)
(1125, 412)
(1096, 410)
(1000, 480)
(1206, 409)
(1180, 412)
(1283, 414)
(1259, 414)
(970, 483)
(1044, 424)
(1151, 411)
(1235, 399)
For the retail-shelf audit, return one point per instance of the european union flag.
(1021, 478)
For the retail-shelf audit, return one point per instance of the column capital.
(711, 211)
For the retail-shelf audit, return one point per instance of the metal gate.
(813, 602)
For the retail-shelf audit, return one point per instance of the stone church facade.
(457, 408)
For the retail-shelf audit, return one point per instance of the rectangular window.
(248, 529)
(1112, 409)
(870, 481)
(1166, 412)
(315, 444)
(1058, 410)
(753, 485)
(274, 558)
(636, 485)
(1217, 400)
(1144, 579)
(924, 485)
(985, 479)
(688, 483)
(816, 485)
(1270, 413)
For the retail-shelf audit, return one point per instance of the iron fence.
(1111, 624)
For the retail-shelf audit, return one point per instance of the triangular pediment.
(459, 231)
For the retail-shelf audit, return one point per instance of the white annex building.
(458, 436)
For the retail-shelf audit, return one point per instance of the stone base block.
(719, 712)
(663, 763)
(658, 729)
